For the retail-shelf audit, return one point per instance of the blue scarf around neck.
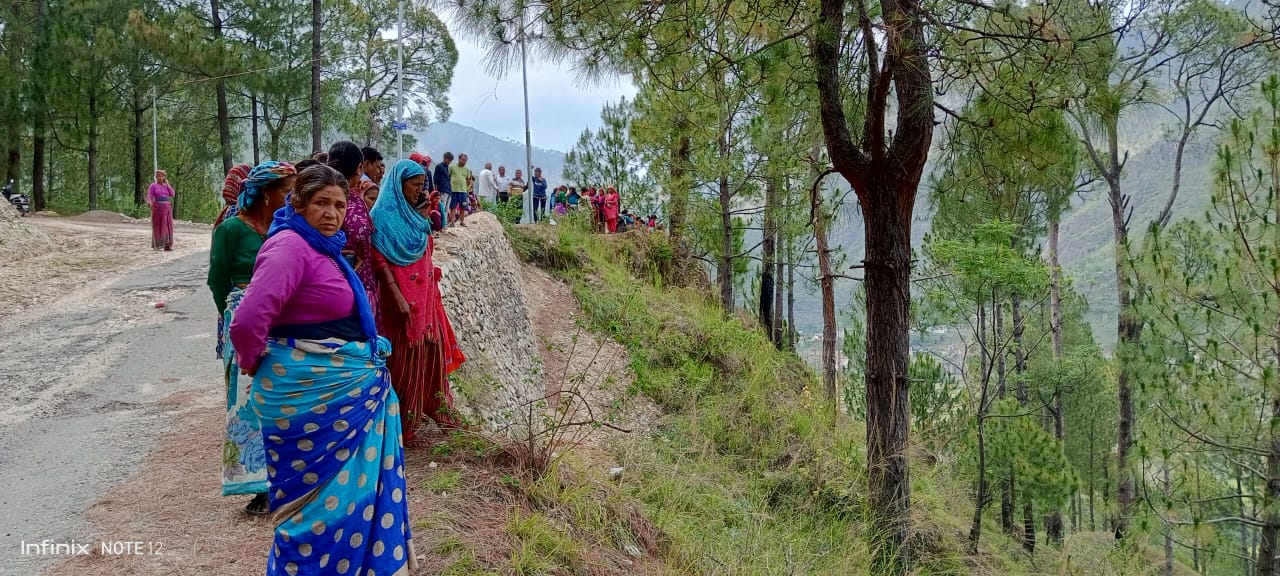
(289, 219)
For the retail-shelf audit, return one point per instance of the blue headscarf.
(289, 219)
(256, 183)
(399, 232)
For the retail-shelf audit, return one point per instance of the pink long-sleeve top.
(292, 284)
(158, 190)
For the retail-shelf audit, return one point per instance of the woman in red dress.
(423, 347)
(611, 204)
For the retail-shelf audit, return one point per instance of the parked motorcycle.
(19, 200)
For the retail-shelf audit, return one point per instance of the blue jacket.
(442, 179)
(539, 187)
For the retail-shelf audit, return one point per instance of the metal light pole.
(399, 79)
(527, 218)
(155, 134)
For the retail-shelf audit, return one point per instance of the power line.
(225, 76)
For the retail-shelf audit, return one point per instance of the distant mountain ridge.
(481, 147)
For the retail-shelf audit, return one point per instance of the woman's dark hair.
(314, 179)
(304, 164)
(345, 157)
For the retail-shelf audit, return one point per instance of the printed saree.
(244, 464)
(331, 424)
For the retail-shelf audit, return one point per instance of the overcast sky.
(559, 109)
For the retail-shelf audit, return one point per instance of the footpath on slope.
(518, 327)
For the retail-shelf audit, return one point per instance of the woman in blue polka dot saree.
(330, 418)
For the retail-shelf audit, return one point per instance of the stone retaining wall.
(483, 294)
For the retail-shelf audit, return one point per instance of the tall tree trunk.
(1168, 528)
(791, 294)
(1128, 328)
(769, 256)
(1077, 512)
(779, 294)
(224, 126)
(781, 217)
(885, 173)
(1093, 524)
(826, 282)
(39, 74)
(1020, 388)
(253, 104)
(1106, 486)
(93, 149)
(999, 350)
(1053, 522)
(1246, 549)
(273, 132)
(1195, 550)
(139, 185)
(725, 269)
(1271, 498)
(888, 288)
(678, 196)
(13, 124)
(37, 165)
(980, 492)
(724, 272)
(316, 127)
(13, 171)
(220, 88)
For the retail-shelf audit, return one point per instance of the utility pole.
(155, 134)
(527, 218)
(399, 80)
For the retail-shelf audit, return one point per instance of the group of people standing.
(334, 339)
(605, 204)
(335, 346)
(495, 186)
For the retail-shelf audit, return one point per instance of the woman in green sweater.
(231, 259)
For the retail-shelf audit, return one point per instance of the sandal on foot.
(259, 506)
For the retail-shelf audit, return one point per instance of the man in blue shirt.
(539, 195)
(441, 178)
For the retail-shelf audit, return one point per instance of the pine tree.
(610, 156)
(1212, 307)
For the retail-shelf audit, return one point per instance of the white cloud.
(559, 109)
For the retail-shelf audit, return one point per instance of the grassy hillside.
(742, 472)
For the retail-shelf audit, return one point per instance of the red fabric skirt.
(420, 371)
(162, 225)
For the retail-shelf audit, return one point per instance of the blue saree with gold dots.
(331, 428)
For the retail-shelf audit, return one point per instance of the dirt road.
(81, 404)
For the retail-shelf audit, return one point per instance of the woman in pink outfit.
(611, 204)
(160, 198)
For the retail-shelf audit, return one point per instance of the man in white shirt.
(501, 182)
(486, 185)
